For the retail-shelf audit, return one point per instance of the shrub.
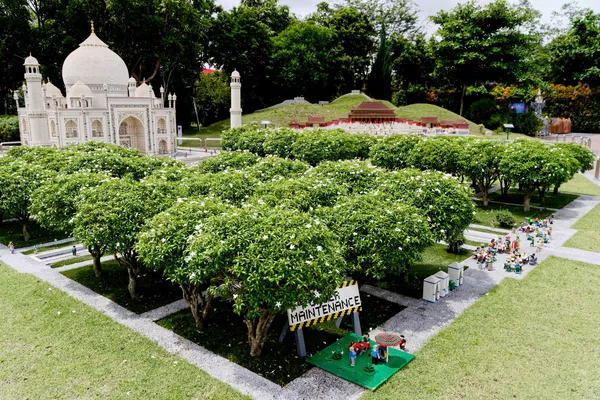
(528, 123)
(279, 142)
(482, 111)
(505, 219)
(9, 128)
(393, 151)
(317, 145)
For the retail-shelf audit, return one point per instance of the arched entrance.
(162, 147)
(131, 134)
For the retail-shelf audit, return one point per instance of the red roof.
(316, 119)
(372, 106)
(429, 120)
(372, 109)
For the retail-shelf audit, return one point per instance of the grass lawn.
(588, 232)
(419, 110)
(535, 338)
(552, 200)
(12, 232)
(227, 335)
(485, 215)
(52, 247)
(581, 185)
(73, 260)
(54, 347)
(434, 259)
(154, 290)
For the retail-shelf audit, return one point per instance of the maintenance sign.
(345, 301)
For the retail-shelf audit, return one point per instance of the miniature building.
(444, 283)
(429, 122)
(372, 111)
(456, 273)
(102, 104)
(431, 289)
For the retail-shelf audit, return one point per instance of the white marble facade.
(101, 104)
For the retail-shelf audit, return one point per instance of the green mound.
(340, 108)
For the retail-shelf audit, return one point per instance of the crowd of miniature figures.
(379, 353)
(537, 234)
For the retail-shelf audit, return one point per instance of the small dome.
(79, 89)
(132, 80)
(235, 74)
(94, 63)
(31, 60)
(52, 90)
(142, 90)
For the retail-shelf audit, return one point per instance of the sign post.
(345, 301)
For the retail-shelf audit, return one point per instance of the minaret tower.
(38, 117)
(236, 100)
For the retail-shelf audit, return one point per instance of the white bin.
(444, 282)
(431, 289)
(456, 273)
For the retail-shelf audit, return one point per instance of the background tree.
(481, 163)
(305, 58)
(379, 85)
(273, 260)
(393, 152)
(399, 16)
(477, 44)
(412, 66)
(213, 97)
(575, 54)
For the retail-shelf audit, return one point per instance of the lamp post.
(508, 127)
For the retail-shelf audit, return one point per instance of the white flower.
(319, 248)
(309, 226)
(260, 201)
(192, 275)
(163, 240)
(235, 296)
(317, 294)
(292, 247)
(265, 237)
(278, 304)
(292, 236)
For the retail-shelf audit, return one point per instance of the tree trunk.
(26, 234)
(542, 192)
(132, 285)
(462, 100)
(556, 189)
(526, 202)
(257, 331)
(97, 266)
(97, 253)
(199, 304)
(485, 196)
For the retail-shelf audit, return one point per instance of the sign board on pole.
(345, 301)
(179, 134)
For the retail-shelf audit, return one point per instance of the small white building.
(102, 103)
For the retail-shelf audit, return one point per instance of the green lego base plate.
(357, 374)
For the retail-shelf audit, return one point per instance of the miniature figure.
(375, 355)
(74, 251)
(11, 247)
(352, 354)
(402, 343)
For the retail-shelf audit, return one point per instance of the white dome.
(132, 80)
(79, 89)
(52, 90)
(235, 74)
(142, 90)
(93, 63)
(31, 60)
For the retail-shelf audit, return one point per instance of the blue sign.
(518, 108)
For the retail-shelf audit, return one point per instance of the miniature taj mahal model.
(102, 104)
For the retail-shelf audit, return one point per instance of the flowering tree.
(279, 142)
(482, 164)
(317, 145)
(393, 151)
(231, 186)
(357, 176)
(304, 194)
(533, 165)
(584, 157)
(228, 160)
(272, 259)
(53, 205)
(380, 238)
(163, 245)
(439, 153)
(18, 179)
(273, 168)
(112, 215)
(446, 202)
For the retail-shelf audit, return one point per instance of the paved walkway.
(419, 321)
